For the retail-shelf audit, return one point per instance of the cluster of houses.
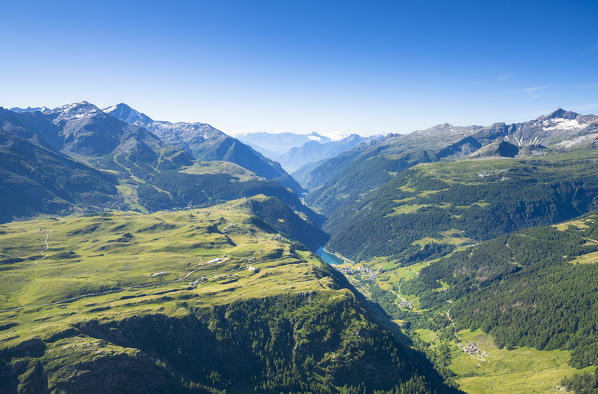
(229, 277)
(365, 273)
(406, 304)
(218, 260)
(197, 282)
(473, 349)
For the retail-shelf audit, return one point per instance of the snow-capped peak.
(560, 114)
(128, 115)
(74, 111)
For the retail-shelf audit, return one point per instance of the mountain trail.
(42, 253)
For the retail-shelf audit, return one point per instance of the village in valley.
(359, 273)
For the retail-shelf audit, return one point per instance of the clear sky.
(332, 67)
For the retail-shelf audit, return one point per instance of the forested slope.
(537, 288)
(430, 209)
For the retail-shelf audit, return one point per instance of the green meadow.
(126, 263)
(519, 370)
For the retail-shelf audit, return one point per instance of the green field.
(520, 370)
(220, 167)
(116, 255)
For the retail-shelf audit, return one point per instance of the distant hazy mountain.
(275, 145)
(206, 143)
(29, 109)
(314, 151)
(294, 151)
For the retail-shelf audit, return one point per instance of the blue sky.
(332, 67)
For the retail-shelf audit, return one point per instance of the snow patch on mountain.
(73, 111)
(562, 124)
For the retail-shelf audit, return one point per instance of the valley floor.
(473, 361)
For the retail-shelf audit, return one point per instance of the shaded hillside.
(76, 158)
(273, 213)
(35, 179)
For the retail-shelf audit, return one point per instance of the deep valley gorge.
(457, 258)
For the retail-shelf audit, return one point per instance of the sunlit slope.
(198, 300)
(428, 210)
(525, 304)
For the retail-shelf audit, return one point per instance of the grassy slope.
(90, 304)
(121, 250)
(220, 167)
(521, 370)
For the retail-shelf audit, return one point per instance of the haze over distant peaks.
(294, 151)
(274, 145)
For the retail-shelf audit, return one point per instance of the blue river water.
(328, 257)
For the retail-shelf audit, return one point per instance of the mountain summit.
(206, 143)
(127, 114)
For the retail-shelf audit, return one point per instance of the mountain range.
(205, 142)
(174, 256)
(367, 166)
(370, 198)
(79, 158)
